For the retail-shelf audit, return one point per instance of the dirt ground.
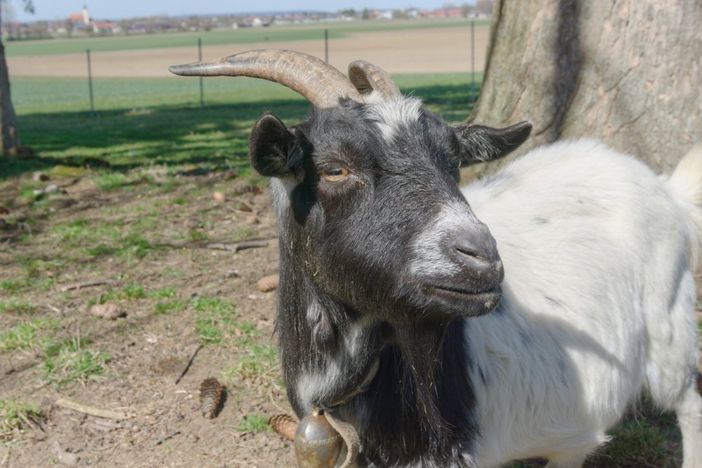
(148, 351)
(433, 50)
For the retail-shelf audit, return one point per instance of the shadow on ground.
(215, 136)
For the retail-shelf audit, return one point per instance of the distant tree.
(366, 14)
(484, 7)
(349, 12)
(9, 134)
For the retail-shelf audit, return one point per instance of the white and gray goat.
(448, 334)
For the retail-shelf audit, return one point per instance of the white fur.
(599, 301)
(389, 115)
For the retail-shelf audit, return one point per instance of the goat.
(448, 334)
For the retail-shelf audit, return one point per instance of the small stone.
(64, 457)
(268, 283)
(109, 311)
(51, 188)
(219, 197)
(39, 176)
(243, 206)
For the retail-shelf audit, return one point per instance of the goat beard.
(420, 346)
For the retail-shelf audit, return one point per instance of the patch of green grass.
(243, 232)
(100, 250)
(134, 291)
(110, 181)
(25, 335)
(135, 246)
(17, 415)
(16, 306)
(169, 307)
(197, 235)
(259, 360)
(24, 284)
(35, 267)
(71, 361)
(635, 443)
(253, 423)
(176, 132)
(26, 191)
(214, 319)
(130, 292)
(163, 293)
(13, 286)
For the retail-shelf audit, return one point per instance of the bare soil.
(148, 351)
(432, 50)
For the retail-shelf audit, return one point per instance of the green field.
(159, 120)
(233, 36)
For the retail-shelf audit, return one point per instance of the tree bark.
(627, 72)
(9, 134)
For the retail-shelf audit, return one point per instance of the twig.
(6, 458)
(92, 411)
(271, 399)
(86, 284)
(190, 363)
(243, 245)
(168, 437)
(53, 309)
(22, 367)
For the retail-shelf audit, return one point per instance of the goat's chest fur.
(597, 280)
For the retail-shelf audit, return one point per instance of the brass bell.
(317, 443)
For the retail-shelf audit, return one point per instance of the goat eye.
(335, 174)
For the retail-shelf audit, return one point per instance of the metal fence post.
(472, 56)
(90, 81)
(326, 45)
(199, 58)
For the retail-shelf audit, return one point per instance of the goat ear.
(480, 144)
(274, 150)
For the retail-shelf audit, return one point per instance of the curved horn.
(319, 82)
(367, 78)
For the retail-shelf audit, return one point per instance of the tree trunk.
(9, 135)
(628, 72)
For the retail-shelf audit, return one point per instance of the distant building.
(82, 17)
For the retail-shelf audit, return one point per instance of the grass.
(253, 423)
(636, 442)
(15, 305)
(216, 320)
(169, 307)
(25, 335)
(17, 415)
(110, 181)
(72, 361)
(258, 361)
(97, 238)
(217, 37)
(173, 131)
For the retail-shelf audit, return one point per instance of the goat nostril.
(470, 252)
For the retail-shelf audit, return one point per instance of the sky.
(117, 9)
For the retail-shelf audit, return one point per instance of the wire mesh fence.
(120, 73)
